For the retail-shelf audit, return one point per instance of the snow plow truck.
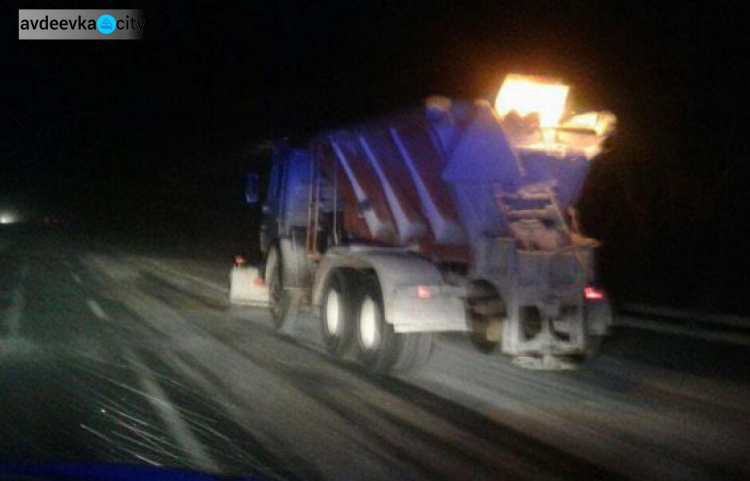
(455, 217)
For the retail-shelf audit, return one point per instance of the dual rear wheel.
(338, 310)
(352, 315)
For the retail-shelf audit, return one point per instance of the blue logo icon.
(106, 24)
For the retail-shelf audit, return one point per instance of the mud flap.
(247, 288)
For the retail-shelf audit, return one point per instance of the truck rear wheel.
(379, 347)
(279, 299)
(338, 311)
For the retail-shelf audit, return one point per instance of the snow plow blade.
(247, 287)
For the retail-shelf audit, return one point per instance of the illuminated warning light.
(525, 94)
(424, 292)
(592, 294)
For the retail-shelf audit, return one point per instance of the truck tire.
(379, 347)
(338, 311)
(278, 299)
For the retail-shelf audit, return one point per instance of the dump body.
(430, 180)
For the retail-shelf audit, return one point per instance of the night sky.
(164, 128)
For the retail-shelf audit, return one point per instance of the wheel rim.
(333, 312)
(368, 323)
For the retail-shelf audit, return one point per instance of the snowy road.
(115, 356)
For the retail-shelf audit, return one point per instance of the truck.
(458, 216)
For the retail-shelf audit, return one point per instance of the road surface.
(117, 355)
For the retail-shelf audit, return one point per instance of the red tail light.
(592, 294)
(424, 292)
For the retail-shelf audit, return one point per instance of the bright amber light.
(527, 94)
(600, 122)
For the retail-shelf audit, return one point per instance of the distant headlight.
(7, 219)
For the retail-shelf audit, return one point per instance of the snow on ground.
(635, 418)
(138, 358)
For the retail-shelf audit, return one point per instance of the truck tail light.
(424, 292)
(592, 293)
